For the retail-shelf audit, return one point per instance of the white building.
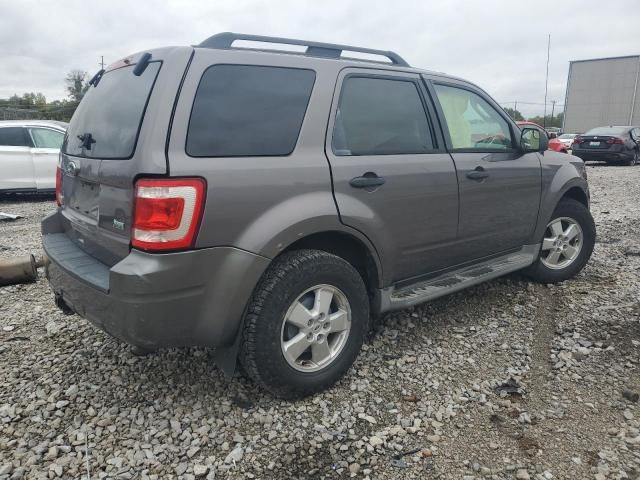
(602, 91)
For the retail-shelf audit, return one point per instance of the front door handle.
(479, 173)
(368, 180)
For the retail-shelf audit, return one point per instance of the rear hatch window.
(107, 121)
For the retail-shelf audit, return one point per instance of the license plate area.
(594, 144)
(84, 198)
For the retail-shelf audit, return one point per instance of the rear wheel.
(633, 160)
(567, 243)
(305, 323)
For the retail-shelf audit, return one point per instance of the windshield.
(607, 131)
(567, 136)
(108, 119)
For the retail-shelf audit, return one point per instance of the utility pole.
(553, 108)
(546, 84)
(101, 62)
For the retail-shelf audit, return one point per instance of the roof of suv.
(34, 123)
(225, 40)
(315, 51)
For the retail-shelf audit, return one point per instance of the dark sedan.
(609, 144)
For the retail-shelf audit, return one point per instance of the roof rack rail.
(314, 49)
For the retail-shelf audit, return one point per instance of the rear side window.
(245, 111)
(111, 113)
(13, 137)
(46, 138)
(378, 116)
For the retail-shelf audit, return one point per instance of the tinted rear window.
(112, 113)
(379, 116)
(244, 111)
(13, 137)
(607, 131)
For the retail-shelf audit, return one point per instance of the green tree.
(76, 84)
(513, 113)
(547, 121)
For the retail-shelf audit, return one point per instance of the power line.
(528, 103)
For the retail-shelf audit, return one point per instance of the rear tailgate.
(597, 142)
(117, 134)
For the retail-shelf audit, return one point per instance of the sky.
(500, 45)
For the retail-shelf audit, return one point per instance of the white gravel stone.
(235, 455)
(427, 380)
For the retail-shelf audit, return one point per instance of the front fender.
(559, 175)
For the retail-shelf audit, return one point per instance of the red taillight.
(158, 213)
(59, 186)
(167, 213)
(578, 140)
(617, 141)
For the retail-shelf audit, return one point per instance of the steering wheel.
(491, 140)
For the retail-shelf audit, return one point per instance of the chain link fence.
(8, 113)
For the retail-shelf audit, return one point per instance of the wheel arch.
(346, 245)
(574, 187)
(576, 193)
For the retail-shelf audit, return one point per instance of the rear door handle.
(368, 180)
(478, 173)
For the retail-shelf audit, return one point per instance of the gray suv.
(269, 203)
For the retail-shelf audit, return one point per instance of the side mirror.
(553, 135)
(532, 140)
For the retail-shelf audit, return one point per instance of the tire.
(279, 294)
(633, 160)
(569, 210)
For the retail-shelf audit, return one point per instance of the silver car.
(29, 151)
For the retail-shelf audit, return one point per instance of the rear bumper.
(602, 156)
(194, 298)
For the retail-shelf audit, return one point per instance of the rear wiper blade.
(87, 140)
(96, 78)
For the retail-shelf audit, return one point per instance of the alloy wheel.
(315, 328)
(562, 243)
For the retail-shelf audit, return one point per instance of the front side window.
(248, 111)
(379, 116)
(46, 138)
(472, 122)
(13, 137)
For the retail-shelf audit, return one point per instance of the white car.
(567, 139)
(29, 154)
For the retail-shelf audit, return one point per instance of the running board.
(446, 283)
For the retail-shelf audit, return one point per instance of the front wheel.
(567, 244)
(305, 323)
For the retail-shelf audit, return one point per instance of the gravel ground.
(506, 380)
